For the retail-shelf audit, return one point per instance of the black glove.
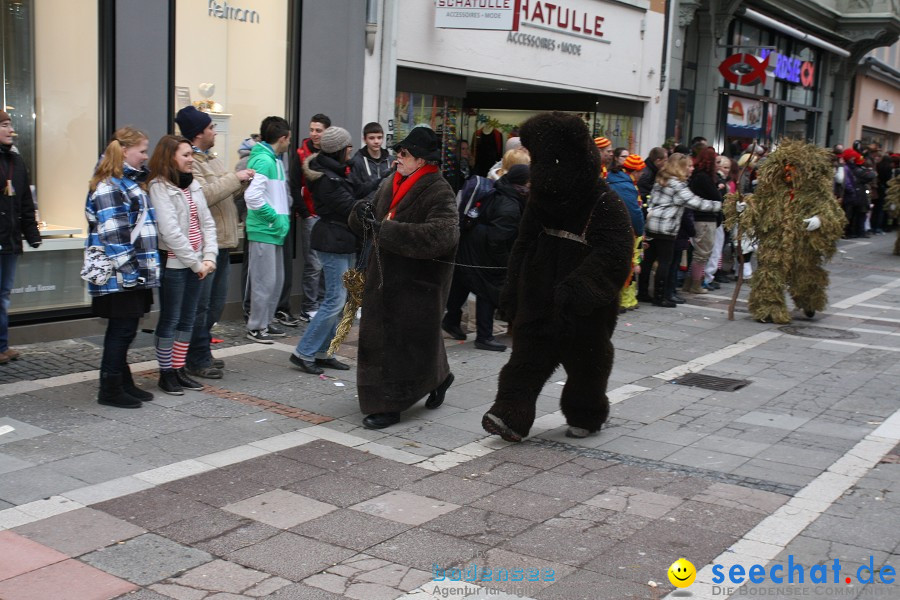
(370, 222)
(364, 211)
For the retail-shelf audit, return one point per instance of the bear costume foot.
(579, 432)
(495, 426)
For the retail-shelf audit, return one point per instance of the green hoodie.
(268, 204)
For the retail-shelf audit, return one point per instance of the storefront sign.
(232, 13)
(560, 19)
(744, 117)
(477, 14)
(744, 69)
(544, 43)
(885, 106)
(792, 70)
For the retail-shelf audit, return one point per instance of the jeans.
(210, 304)
(320, 332)
(7, 278)
(119, 335)
(484, 310)
(313, 288)
(178, 297)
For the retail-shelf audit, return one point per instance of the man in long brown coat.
(414, 219)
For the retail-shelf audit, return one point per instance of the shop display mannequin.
(487, 147)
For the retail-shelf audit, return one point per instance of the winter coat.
(490, 241)
(861, 178)
(646, 181)
(401, 348)
(621, 183)
(366, 172)
(112, 210)
(219, 189)
(333, 200)
(173, 214)
(268, 203)
(667, 204)
(705, 185)
(16, 211)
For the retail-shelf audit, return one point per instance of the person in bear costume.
(565, 272)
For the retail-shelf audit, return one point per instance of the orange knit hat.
(602, 142)
(634, 162)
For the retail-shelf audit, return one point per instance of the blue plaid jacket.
(112, 211)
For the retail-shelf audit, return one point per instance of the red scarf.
(402, 185)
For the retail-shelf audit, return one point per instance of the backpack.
(471, 198)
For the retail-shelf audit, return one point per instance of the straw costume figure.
(892, 207)
(797, 221)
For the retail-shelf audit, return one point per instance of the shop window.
(17, 48)
(443, 114)
(232, 64)
(796, 123)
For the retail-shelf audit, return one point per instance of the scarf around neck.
(402, 186)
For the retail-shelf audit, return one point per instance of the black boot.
(436, 398)
(112, 394)
(168, 382)
(676, 299)
(381, 420)
(131, 389)
(658, 300)
(186, 382)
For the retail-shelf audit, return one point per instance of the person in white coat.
(188, 251)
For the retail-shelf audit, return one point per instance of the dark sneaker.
(332, 363)
(259, 336)
(454, 330)
(494, 345)
(308, 366)
(286, 318)
(205, 372)
(275, 331)
(186, 382)
(304, 316)
(218, 363)
(168, 382)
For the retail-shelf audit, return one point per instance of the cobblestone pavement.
(265, 485)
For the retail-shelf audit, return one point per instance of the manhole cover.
(821, 333)
(711, 382)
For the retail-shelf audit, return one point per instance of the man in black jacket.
(16, 220)
(371, 163)
(654, 162)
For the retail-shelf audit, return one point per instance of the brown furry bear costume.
(566, 270)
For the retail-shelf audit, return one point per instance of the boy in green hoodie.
(268, 222)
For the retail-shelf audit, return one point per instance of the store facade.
(876, 101)
(760, 70)
(137, 62)
(594, 58)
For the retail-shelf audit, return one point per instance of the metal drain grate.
(710, 382)
(821, 333)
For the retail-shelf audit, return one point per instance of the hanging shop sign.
(744, 69)
(477, 14)
(885, 106)
(558, 18)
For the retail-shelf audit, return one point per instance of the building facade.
(875, 107)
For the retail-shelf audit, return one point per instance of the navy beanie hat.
(192, 122)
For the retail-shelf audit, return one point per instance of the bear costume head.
(565, 163)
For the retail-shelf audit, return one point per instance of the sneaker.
(312, 314)
(286, 318)
(275, 331)
(186, 382)
(218, 363)
(205, 372)
(259, 336)
(303, 316)
(168, 382)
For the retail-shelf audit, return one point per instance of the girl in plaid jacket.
(116, 204)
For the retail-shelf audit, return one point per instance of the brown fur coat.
(401, 350)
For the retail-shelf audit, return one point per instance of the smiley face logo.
(682, 573)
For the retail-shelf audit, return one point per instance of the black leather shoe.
(664, 303)
(676, 299)
(455, 331)
(644, 298)
(436, 398)
(381, 420)
(490, 344)
(307, 366)
(186, 382)
(332, 363)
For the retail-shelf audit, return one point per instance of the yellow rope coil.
(354, 281)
